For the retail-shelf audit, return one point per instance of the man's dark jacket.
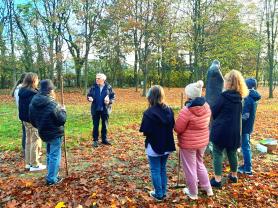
(98, 102)
(25, 96)
(249, 111)
(157, 125)
(226, 127)
(47, 116)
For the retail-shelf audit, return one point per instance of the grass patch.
(10, 128)
(78, 126)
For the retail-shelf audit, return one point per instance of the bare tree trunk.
(136, 80)
(146, 50)
(11, 10)
(136, 49)
(271, 29)
(258, 58)
(88, 41)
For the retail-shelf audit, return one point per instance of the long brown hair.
(235, 81)
(156, 96)
(30, 80)
(18, 83)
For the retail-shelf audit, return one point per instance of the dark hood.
(198, 107)
(254, 95)
(198, 101)
(40, 100)
(160, 114)
(26, 92)
(232, 96)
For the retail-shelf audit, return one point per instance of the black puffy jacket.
(25, 96)
(47, 116)
(226, 127)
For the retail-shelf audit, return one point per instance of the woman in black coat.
(33, 142)
(226, 129)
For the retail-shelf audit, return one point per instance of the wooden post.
(65, 146)
(181, 100)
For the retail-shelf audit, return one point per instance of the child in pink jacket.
(192, 127)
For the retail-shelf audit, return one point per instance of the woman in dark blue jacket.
(248, 119)
(49, 117)
(157, 125)
(226, 129)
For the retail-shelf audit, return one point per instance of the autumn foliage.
(118, 175)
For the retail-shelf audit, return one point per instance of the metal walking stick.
(65, 146)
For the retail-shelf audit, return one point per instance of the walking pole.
(179, 158)
(65, 146)
(179, 165)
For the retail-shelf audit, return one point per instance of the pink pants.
(194, 169)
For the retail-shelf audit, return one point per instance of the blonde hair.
(156, 95)
(235, 81)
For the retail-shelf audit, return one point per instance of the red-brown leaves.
(118, 175)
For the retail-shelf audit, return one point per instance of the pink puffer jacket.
(192, 127)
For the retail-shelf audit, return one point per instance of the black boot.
(105, 142)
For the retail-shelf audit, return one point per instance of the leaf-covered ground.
(118, 175)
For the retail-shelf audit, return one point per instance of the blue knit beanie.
(251, 83)
(46, 86)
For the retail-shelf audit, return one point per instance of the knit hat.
(101, 76)
(251, 83)
(194, 90)
(46, 86)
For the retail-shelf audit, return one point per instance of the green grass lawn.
(78, 125)
(10, 128)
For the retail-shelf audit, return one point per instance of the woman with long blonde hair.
(33, 142)
(226, 128)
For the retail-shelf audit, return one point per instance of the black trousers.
(104, 125)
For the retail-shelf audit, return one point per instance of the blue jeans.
(23, 137)
(158, 174)
(53, 157)
(246, 151)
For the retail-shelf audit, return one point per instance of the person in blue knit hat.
(49, 118)
(248, 119)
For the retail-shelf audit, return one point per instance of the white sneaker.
(27, 166)
(209, 191)
(38, 168)
(186, 191)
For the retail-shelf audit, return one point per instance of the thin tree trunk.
(271, 29)
(11, 9)
(87, 36)
(259, 50)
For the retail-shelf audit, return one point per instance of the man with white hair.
(102, 96)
